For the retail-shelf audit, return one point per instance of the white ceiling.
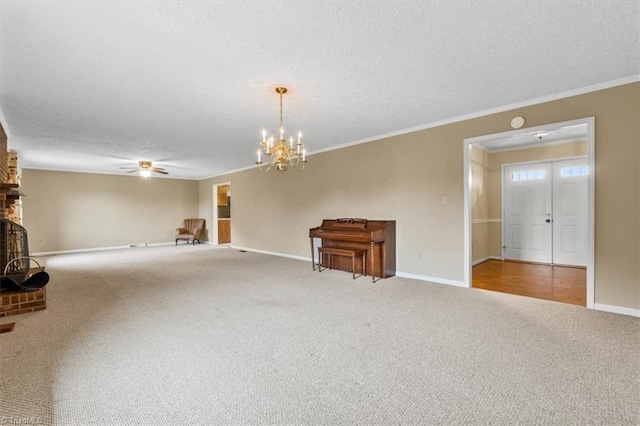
(92, 86)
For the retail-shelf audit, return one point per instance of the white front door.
(570, 212)
(545, 212)
(527, 212)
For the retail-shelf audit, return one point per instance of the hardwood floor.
(558, 283)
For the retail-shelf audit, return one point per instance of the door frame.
(467, 180)
(214, 227)
(502, 179)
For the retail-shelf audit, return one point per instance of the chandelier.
(284, 153)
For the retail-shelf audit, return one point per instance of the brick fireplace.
(13, 302)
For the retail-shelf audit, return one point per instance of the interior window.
(528, 175)
(574, 171)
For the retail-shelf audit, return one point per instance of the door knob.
(548, 221)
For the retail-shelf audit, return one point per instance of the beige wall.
(375, 180)
(67, 211)
(480, 204)
(405, 177)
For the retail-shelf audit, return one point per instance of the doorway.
(490, 225)
(222, 213)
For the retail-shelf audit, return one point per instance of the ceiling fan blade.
(157, 169)
(127, 167)
(132, 171)
(161, 171)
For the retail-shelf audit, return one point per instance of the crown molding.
(106, 173)
(484, 113)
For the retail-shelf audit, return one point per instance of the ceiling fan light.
(145, 173)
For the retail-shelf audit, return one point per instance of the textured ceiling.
(92, 86)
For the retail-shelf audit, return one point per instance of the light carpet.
(207, 336)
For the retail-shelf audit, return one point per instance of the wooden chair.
(191, 232)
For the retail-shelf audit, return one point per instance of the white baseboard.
(52, 253)
(484, 259)
(597, 306)
(481, 260)
(616, 309)
(217, 246)
(431, 279)
(172, 243)
(87, 250)
(398, 274)
(273, 253)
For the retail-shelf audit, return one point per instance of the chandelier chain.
(281, 125)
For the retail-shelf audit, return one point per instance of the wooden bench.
(352, 253)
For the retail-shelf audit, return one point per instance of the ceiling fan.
(145, 168)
